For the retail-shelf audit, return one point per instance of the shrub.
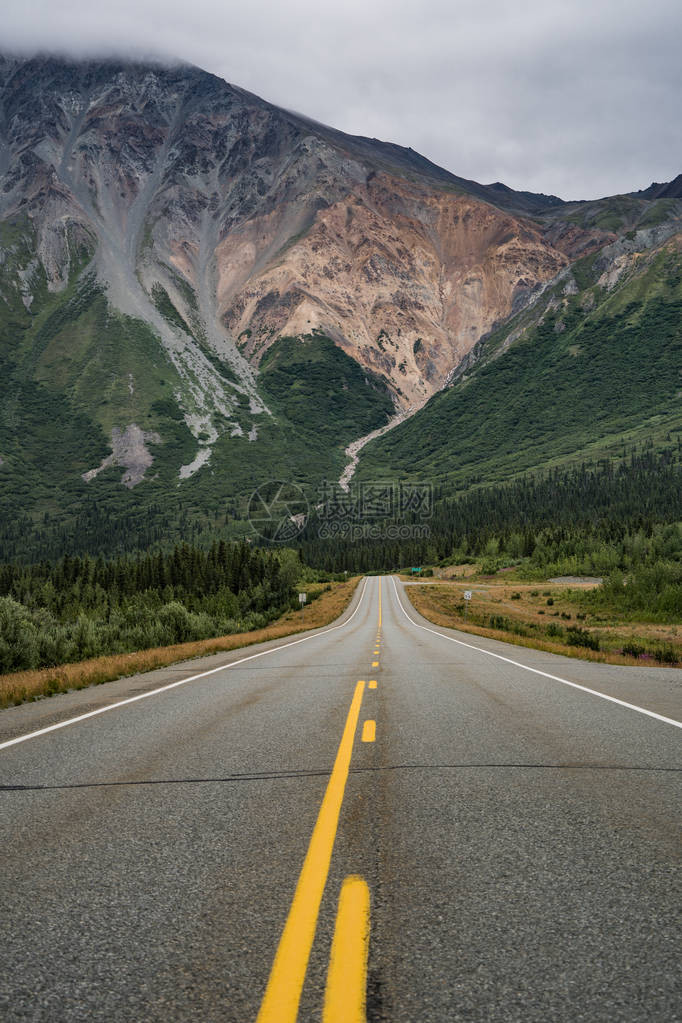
(176, 621)
(665, 655)
(18, 637)
(86, 639)
(575, 636)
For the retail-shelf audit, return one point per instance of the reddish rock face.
(405, 280)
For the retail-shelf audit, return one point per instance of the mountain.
(668, 190)
(223, 222)
(200, 291)
(590, 371)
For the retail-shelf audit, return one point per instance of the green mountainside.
(323, 393)
(62, 391)
(590, 370)
(596, 374)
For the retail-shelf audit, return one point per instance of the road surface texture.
(514, 837)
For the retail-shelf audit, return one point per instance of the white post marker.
(302, 597)
(467, 598)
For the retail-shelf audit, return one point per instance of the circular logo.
(278, 511)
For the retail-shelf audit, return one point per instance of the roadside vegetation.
(611, 521)
(326, 601)
(529, 588)
(616, 523)
(622, 599)
(571, 617)
(80, 608)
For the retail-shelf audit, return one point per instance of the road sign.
(467, 594)
(302, 597)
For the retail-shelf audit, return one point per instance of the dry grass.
(30, 685)
(440, 603)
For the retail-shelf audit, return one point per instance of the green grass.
(617, 213)
(584, 272)
(660, 211)
(14, 231)
(164, 305)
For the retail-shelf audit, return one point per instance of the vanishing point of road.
(383, 820)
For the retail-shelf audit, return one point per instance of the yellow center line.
(375, 664)
(345, 997)
(373, 683)
(369, 730)
(283, 993)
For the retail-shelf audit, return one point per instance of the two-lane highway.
(496, 828)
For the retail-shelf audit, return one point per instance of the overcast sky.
(580, 98)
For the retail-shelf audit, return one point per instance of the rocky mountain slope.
(163, 238)
(255, 224)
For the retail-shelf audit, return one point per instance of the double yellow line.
(283, 993)
(345, 993)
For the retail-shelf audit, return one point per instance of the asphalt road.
(518, 837)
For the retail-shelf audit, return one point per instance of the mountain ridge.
(164, 238)
(168, 134)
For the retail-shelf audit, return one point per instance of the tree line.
(584, 515)
(81, 607)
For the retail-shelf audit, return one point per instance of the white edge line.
(536, 671)
(180, 682)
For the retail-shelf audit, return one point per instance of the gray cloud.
(579, 98)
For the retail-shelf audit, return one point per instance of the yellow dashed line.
(345, 997)
(369, 731)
